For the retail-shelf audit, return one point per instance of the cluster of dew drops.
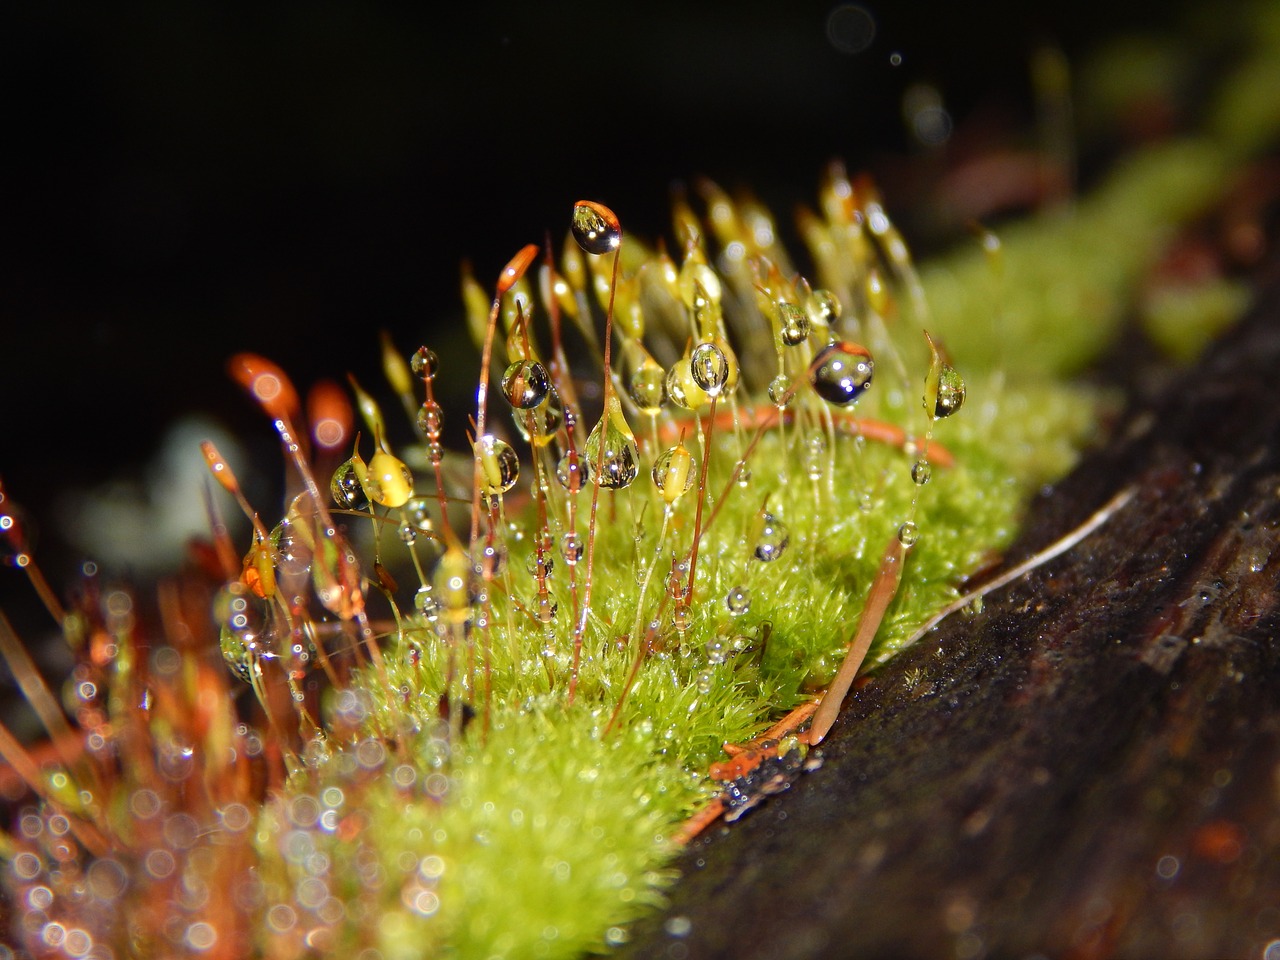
(455, 597)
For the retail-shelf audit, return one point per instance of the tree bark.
(1088, 768)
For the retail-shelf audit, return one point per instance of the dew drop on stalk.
(921, 472)
(950, 394)
(612, 449)
(841, 372)
(424, 363)
(709, 367)
(430, 419)
(500, 467)
(771, 537)
(595, 227)
(547, 562)
(425, 602)
(822, 307)
(673, 472)
(418, 512)
(908, 534)
(407, 532)
(715, 650)
(526, 384)
(681, 389)
(646, 386)
(778, 388)
(571, 548)
(943, 385)
(345, 486)
(574, 477)
(738, 600)
(793, 324)
(292, 547)
(813, 454)
(493, 561)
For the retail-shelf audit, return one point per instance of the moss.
(505, 785)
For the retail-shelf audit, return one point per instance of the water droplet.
(704, 682)
(793, 324)
(841, 372)
(813, 454)
(744, 475)
(345, 486)
(571, 548)
(574, 476)
(425, 601)
(389, 481)
(526, 384)
(435, 451)
(243, 619)
(681, 389)
(950, 393)
(418, 511)
(771, 537)
(596, 227)
(499, 465)
(738, 600)
(611, 448)
(673, 472)
(493, 561)
(709, 367)
(778, 388)
(646, 386)
(424, 363)
(407, 532)
(431, 419)
(715, 650)
(822, 307)
(547, 563)
(292, 545)
(943, 385)
(908, 534)
(921, 472)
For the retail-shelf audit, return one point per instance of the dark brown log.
(1090, 767)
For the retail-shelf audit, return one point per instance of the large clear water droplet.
(596, 227)
(771, 538)
(424, 363)
(526, 384)
(673, 472)
(646, 386)
(571, 548)
(574, 475)
(822, 307)
(778, 388)
(345, 486)
(950, 397)
(500, 467)
(738, 600)
(611, 449)
(709, 367)
(793, 324)
(841, 372)
(430, 420)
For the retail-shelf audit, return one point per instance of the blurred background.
(189, 180)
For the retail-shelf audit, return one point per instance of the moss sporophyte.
(710, 490)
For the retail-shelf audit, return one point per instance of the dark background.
(189, 180)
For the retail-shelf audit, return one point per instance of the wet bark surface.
(1088, 768)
